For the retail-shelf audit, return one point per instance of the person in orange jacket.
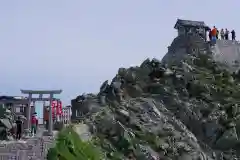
(214, 34)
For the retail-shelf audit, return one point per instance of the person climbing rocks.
(222, 33)
(233, 35)
(226, 34)
(34, 124)
(214, 34)
(19, 128)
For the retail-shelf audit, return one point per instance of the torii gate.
(40, 98)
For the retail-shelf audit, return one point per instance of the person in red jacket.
(34, 124)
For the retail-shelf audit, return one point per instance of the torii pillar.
(40, 98)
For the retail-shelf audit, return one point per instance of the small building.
(191, 27)
(17, 105)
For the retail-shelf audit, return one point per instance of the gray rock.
(102, 99)
(145, 64)
(238, 127)
(6, 122)
(228, 140)
(186, 156)
(211, 129)
(104, 86)
(156, 88)
(122, 72)
(130, 76)
(134, 90)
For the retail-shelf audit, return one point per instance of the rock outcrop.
(185, 108)
(7, 123)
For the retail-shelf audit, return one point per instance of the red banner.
(56, 108)
(59, 108)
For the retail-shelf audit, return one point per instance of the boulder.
(238, 127)
(155, 88)
(134, 90)
(104, 87)
(145, 64)
(122, 72)
(130, 76)
(228, 140)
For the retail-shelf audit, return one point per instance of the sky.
(75, 45)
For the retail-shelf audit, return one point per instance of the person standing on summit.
(233, 35)
(222, 34)
(214, 34)
(217, 35)
(19, 128)
(226, 34)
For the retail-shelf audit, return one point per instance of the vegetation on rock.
(70, 147)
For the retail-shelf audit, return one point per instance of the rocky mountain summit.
(185, 107)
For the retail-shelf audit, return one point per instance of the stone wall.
(226, 52)
(34, 149)
(183, 46)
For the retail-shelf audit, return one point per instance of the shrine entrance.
(40, 97)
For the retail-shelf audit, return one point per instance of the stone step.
(31, 148)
